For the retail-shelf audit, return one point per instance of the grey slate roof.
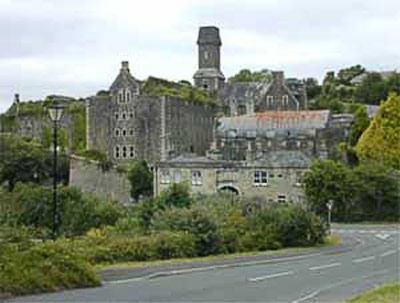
(284, 159)
(243, 91)
(316, 119)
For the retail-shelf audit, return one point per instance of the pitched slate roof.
(315, 119)
(244, 90)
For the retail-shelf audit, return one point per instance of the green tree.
(329, 180)
(246, 75)
(345, 75)
(23, 161)
(360, 124)
(376, 192)
(381, 140)
(371, 90)
(141, 179)
(313, 89)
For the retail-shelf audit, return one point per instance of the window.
(131, 152)
(124, 152)
(196, 178)
(120, 96)
(260, 178)
(130, 113)
(281, 198)
(206, 55)
(164, 177)
(270, 100)
(285, 100)
(128, 95)
(280, 176)
(117, 150)
(116, 114)
(177, 176)
(123, 117)
(131, 132)
(241, 110)
(124, 132)
(117, 132)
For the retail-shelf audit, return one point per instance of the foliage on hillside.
(141, 179)
(381, 141)
(182, 90)
(246, 75)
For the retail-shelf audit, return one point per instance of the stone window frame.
(124, 152)
(281, 198)
(121, 96)
(285, 100)
(117, 132)
(116, 115)
(270, 100)
(260, 178)
(132, 153)
(196, 177)
(130, 114)
(124, 115)
(131, 132)
(127, 95)
(117, 152)
(124, 132)
(177, 176)
(165, 177)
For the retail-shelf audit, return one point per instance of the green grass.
(388, 293)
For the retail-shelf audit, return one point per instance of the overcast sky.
(74, 47)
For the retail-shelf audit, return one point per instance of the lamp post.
(55, 112)
(329, 205)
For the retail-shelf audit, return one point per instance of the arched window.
(128, 95)
(131, 132)
(285, 100)
(117, 151)
(124, 132)
(131, 152)
(117, 132)
(124, 152)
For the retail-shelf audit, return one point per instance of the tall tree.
(141, 179)
(381, 141)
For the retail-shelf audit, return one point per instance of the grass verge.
(387, 293)
(331, 240)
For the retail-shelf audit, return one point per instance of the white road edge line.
(388, 253)
(200, 269)
(286, 273)
(342, 282)
(325, 266)
(364, 259)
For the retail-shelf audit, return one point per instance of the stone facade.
(90, 177)
(127, 125)
(264, 154)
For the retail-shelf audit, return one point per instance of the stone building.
(263, 154)
(243, 98)
(264, 140)
(126, 124)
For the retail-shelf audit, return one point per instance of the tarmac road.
(318, 276)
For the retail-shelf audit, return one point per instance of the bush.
(201, 225)
(43, 267)
(32, 205)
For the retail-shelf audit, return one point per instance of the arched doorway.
(229, 189)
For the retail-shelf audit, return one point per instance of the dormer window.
(128, 95)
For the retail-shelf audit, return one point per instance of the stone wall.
(89, 177)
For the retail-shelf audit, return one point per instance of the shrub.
(194, 221)
(32, 205)
(43, 267)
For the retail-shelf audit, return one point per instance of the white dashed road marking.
(364, 259)
(325, 266)
(257, 279)
(388, 253)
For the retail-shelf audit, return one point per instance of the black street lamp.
(55, 111)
